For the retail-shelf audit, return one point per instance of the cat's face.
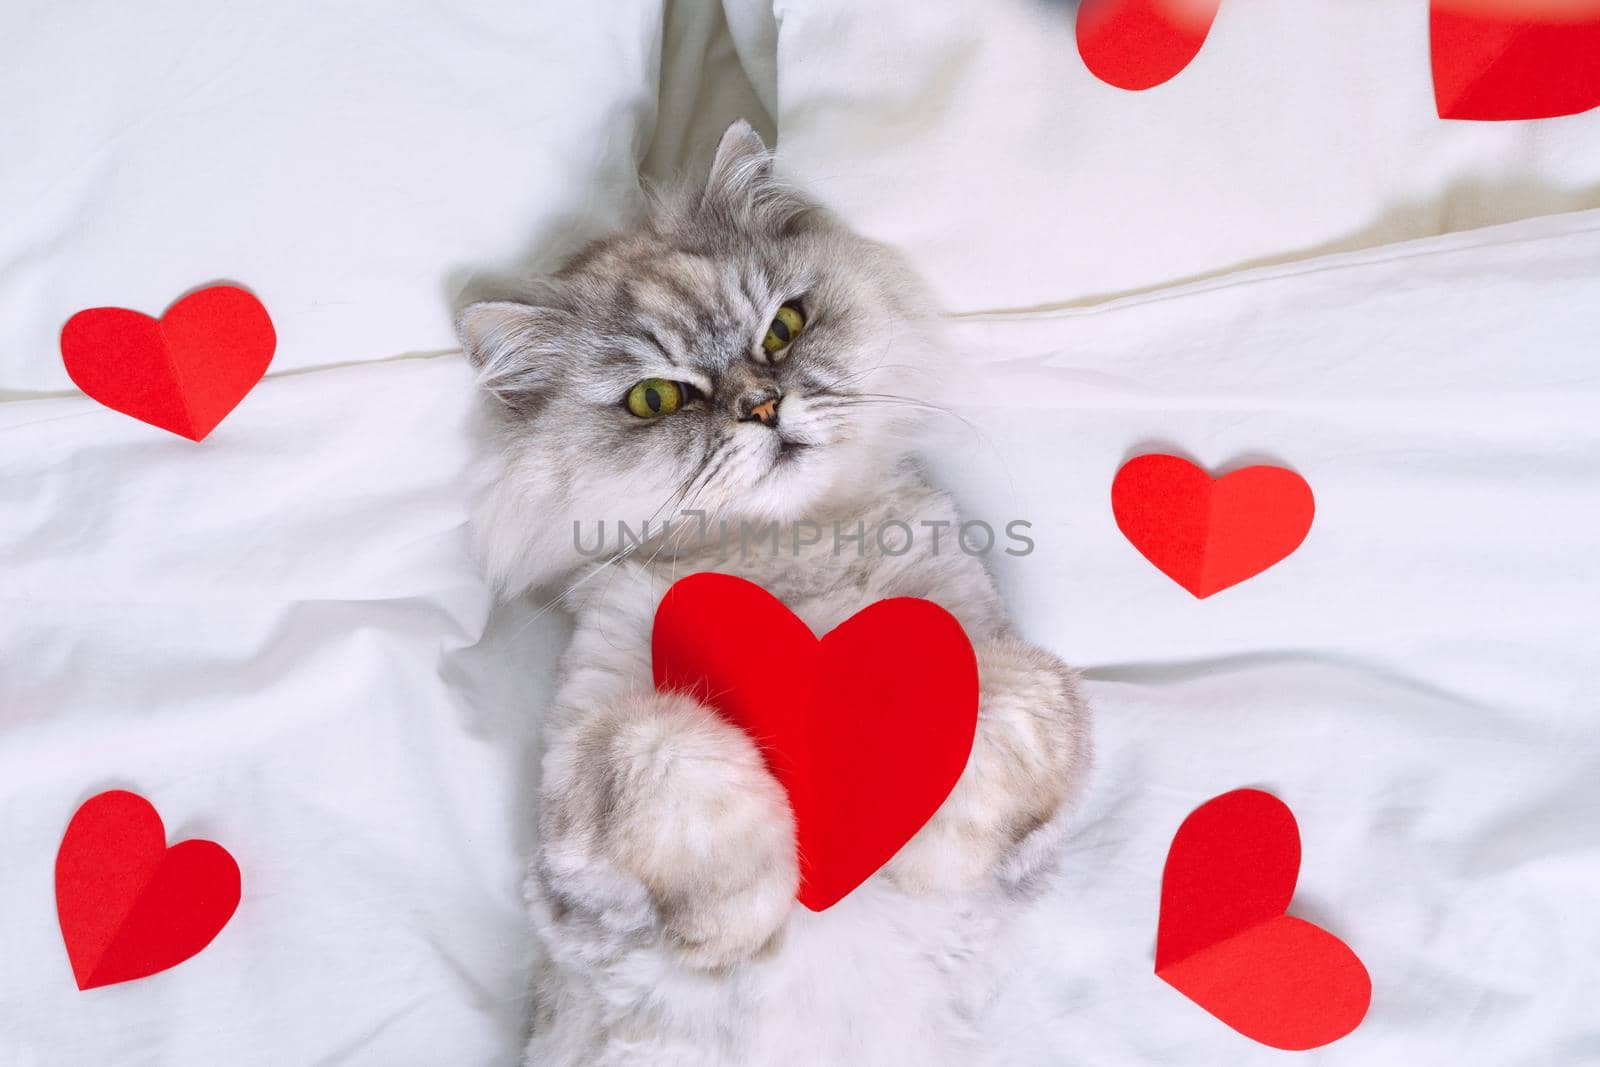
(740, 355)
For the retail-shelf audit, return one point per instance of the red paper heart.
(129, 906)
(182, 372)
(867, 730)
(1138, 44)
(1225, 943)
(1495, 61)
(1209, 534)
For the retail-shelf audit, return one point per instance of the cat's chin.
(804, 481)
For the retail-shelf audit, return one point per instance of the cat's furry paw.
(679, 799)
(1030, 758)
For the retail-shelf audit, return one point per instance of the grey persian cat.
(742, 356)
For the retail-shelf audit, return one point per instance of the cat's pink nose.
(760, 407)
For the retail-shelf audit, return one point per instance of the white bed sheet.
(1418, 681)
(279, 637)
(971, 135)
(358, 165)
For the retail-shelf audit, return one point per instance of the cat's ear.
(741, 164)
(516, 348)
(742, 185)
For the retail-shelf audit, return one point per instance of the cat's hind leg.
(1029, 759)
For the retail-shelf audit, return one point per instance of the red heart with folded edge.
(129, 905)
(182, 372)
(1138, 44)
(867, 729)
(1207, 534)
(1511, 59)
(1224, 941)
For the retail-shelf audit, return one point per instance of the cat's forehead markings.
(671, 280)
(699, 271)
(662, 296)
(693, 296)
(748, 289)
(608, 257)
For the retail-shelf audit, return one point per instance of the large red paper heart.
(182, 372)
(1225, 943)
(1138, 44)
(1509, 59)
(129, 906)
(867, 729)
(1209, 534)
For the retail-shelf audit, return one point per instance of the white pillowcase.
(350, 163)
(973, 135)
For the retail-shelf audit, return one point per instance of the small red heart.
(129, 906)
(1209, 534)
(1498, 61)
(1224, 941)
(867, 730)
(182, 372)
(1138, 44)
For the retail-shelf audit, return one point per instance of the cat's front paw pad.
(697, 817)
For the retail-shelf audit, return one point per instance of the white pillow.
(973, 135)
(350, 163)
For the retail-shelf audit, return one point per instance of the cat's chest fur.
(824, 571)
(821, 996)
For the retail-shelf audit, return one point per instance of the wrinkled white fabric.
(1418, 681)
(973, 136)
(356, 165)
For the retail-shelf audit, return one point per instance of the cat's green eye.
(654, 397)
(786, 326)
